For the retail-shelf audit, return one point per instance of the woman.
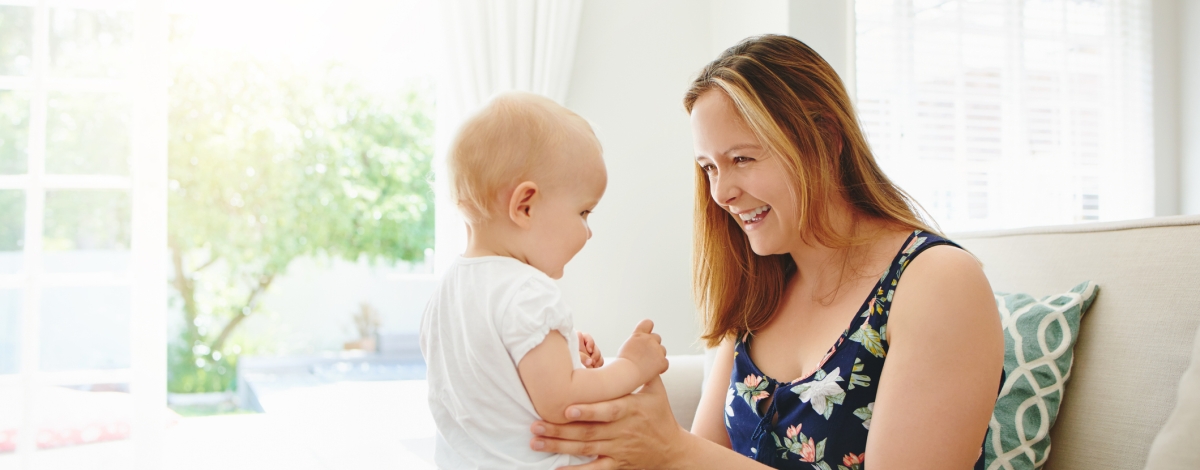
(799, 234)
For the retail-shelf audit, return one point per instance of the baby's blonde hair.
(512, 139)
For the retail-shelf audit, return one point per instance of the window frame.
(146, 86)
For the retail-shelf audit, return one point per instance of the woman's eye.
(742, 159)
(708, 168)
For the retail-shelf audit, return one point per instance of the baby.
(498, 339)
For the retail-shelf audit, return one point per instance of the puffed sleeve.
(536, 309)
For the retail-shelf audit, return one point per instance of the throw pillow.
(1039, 336)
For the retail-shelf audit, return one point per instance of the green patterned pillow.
(1039, 336)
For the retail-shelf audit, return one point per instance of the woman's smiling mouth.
(754, 216)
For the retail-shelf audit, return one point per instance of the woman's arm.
(710, 413)
(635, 431)
(553, 383)
(942, 373)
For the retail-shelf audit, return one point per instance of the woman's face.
(746, 180)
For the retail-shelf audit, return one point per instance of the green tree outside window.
(268, 163)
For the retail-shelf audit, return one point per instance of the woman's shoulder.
(939, 254)
(945, 283)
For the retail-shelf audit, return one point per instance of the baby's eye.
(584, 214)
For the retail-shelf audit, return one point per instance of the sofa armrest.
(684, 380)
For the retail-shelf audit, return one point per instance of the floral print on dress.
(852, 461)
(870, 339)
(752, 389)
(805, 448)
(729, 397)
(824, 422)
(870, 308)
(865, 413)
(912, 245)
(856, 379)
(823, 393)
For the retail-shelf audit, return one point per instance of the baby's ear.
(521, 202)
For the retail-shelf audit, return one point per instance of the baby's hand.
(644, 348)
(589, 353)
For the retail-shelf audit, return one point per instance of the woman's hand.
(589, 353)
(634, 431)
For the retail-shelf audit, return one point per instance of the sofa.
(1134, 345)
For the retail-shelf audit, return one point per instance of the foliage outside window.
(270, 160)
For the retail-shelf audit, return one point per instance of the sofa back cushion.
(1134, 342)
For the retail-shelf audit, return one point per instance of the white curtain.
(491, 46)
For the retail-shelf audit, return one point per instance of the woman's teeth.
(755, 215)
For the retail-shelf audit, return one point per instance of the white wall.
(1165, 24)
(827, 26)
(1176, 56)
(1189, 99)
(731, 21)
(633, 63)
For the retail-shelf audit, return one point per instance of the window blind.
(1009, 113)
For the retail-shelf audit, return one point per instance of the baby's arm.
(553, 383)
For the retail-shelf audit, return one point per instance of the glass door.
(82, 233)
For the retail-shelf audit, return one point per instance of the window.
(82, 211)
(301, 216)
(291, 141)
(1007, 113)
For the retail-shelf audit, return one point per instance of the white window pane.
(88, 133)
(1086, 17)
(85, 328)
(14, 131)
(986, 15)
(90, 43)
(10, 336)
(86, 231)
(1043, 15)
(12, 230)
(16, 40)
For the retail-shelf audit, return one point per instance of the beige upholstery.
(683, 381)
(1177, 446)
(1134, 343)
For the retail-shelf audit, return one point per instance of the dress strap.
(916, 244)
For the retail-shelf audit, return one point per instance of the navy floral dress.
(824, 417)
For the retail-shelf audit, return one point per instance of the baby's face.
(559, 227)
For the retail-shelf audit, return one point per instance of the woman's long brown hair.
(796, 106)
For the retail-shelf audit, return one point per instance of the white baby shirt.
(485, 315)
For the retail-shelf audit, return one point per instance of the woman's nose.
(724, 191)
